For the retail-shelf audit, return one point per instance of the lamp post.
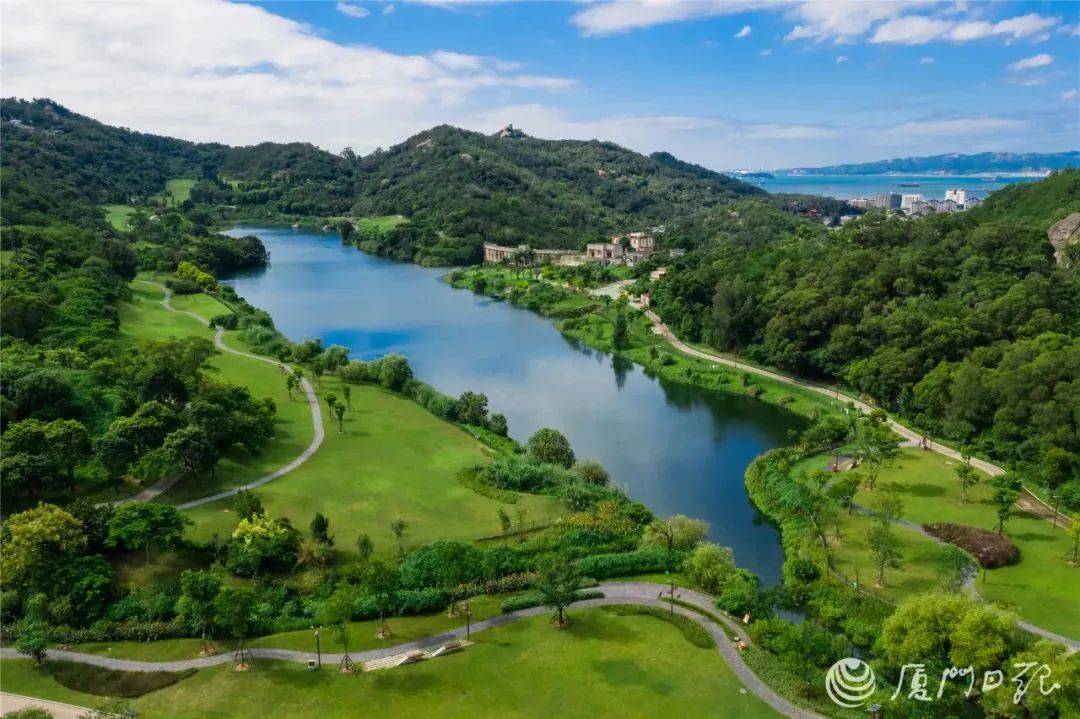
(318, 648)
(468, 621)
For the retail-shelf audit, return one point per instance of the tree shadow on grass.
(630, 673)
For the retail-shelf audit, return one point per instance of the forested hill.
(517, 189)
(963, 323)
(104, 164)
(955, 164)
(459, 188)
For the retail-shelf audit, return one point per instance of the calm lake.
(675, 448)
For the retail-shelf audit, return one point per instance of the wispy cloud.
(609, 18)
(745, 32)
(921, 29)
(909, 22)
(959, 127)
(926, 60)
(1030, 63)
(766, 52)
(841, 59)
(354, 11)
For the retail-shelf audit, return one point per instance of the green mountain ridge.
(459, 188)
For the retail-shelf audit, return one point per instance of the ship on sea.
(907, 184)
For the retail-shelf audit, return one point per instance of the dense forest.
(962, 323)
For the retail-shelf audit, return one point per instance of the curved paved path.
(1028, 500)
(154, 490)
(615, 593)
(969, 583)
(58, 710)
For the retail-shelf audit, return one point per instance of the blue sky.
(720, 83)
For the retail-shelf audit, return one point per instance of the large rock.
(1064, 233)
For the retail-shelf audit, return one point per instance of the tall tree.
(141, 524)
(557, 586)
(198, 591)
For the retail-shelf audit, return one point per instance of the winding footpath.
(615, 594)
(969, 583)
(1027, 501)
(154, 490)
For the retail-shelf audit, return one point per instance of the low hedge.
(641, 561)
(532, 599)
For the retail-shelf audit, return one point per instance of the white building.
(907, 201)
(957, 196)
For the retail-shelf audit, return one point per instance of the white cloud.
(766, 52)
(1068, 94)
(609, 18)
(355, 11)
(921, 29)
(926, 60)
(276, 80)
(958, 127)
(841, 21)
(388, 9)
(841, 59)
(1029, 63)
(745, 32)
(911, 30)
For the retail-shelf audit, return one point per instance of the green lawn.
(145, 319)
(179, 188)
(118, 215)
(1041, 585)
(394, 459)
(381, 223)
(603, 664)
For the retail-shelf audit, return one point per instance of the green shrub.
(641, 561)
(529, 600)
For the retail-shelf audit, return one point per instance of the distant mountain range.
(953, 164)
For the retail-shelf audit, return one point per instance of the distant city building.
(906, 201)
(861, 203)
(972, 202)
(887, 200)
(957, 196)
(496, 254)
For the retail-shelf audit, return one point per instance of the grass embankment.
(603, 664)
(591, 320)
(393, 460)
(1041, 586)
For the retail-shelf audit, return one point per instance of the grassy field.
(381, 223)
(118, 215)
(603, 664)
(179, 189)
(146, 319)
(1041, 585)
(393, 460)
